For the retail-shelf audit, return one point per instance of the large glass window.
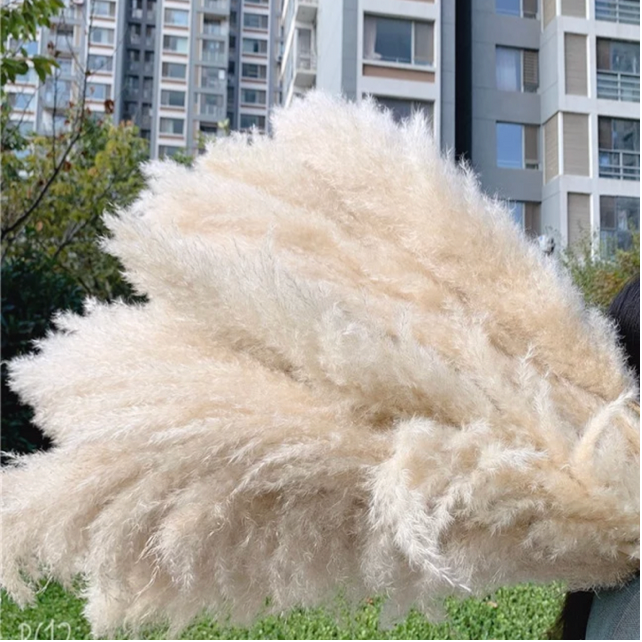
(103, 8)
(402, 109)
(518, 8)
(254, 46)
(177, 44)
(618, 55)
(255, 21)
(395, 40)
(173, 126)
(211, 104)
(258, 72)
(252, 120)
(517, 146)
(174, 70)
(619, 143)
(101, 36)
(171, 98)
(516, 69)
(253, 97)
(100, 63)
(619, 220)
(98, 91)
(167, 151)
(176, 17)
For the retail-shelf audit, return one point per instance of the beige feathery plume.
(353, 372)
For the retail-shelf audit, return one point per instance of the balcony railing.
(620, 164)
(618, 11)
(306, 61)
(219, 7)
(219, 86)
(214, 57)
(214, 112)
(614, 85)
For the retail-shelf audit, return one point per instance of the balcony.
(60, 101)
(620, 165)
(306, 10)
(614, 85)
(214, 58)
(216, 7)
(212, 112)
(305, 70)
(625, 11)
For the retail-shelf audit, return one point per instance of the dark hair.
(625, 311)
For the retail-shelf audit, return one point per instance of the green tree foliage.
(19, 20)
(51, 227)
(599, 278)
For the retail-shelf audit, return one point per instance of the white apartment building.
(84, 37)
(399, 51)
(590, 110)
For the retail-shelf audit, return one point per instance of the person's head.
(625, 311)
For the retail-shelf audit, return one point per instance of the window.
(254, 46)
(135, 34)
(25, 127)
(137, 9)
(213, 50)
(150, 36)
(173, 126)
(98, 91)
(251, 120)
(394, 40)
(255, 21)
(619, 220)
(526, 215)
(65, 67)
(214, 27)
(177, 44)
(102, 63)
(148, 69)
(519, 8)
(172, 98)
(618, 70)
(618, 55)
(211, 104)
(619, 133)
(212, 78)
(148, 88)
(101, 36)
(32, 77)
(403, 109)
(132, 83)
(20, 101)
(619, 143)
(516, 69)
(253, 97)
(103, 8)
(167, 151)
(258, 72)
(517, 146)
(174, 70)
(176, 17)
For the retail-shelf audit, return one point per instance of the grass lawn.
(523, 613)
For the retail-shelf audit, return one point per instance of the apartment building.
(554, 125)
(253, 87)
(84, 38)
(177, 68)
(402, 52)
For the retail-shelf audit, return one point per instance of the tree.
(600, 278)
(52, 261)
(19, 21)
